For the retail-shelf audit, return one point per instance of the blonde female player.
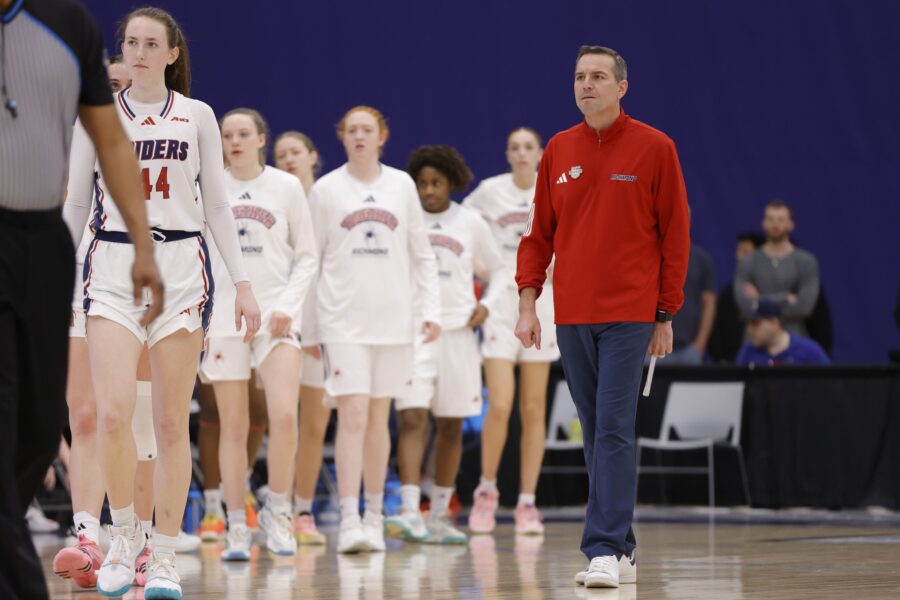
(505, 202)
(178, 145)
(275, 230)
(373, 250)
(447, 373)
(296, 154)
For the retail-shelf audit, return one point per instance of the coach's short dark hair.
(620, 69)
(781, 204)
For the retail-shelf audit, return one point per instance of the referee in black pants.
(51, 70)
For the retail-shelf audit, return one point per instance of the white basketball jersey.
(506, 208)
(459, 236)
(166, 147)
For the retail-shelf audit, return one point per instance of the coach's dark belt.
(156, 234)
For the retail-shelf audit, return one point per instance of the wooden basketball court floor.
(686, 560)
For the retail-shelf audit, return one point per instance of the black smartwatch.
(663, 317)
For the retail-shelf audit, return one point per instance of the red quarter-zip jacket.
(613, 209)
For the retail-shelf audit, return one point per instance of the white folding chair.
(702, 416)
(562, 415)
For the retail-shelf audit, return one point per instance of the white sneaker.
(408, 525)
(627, 570)
(603, 573)
(116, 574)
(373, 526)
(38, 521)
(279, 532)
(237, 543)
(440, 531)
(352, 537)
(187, 542)
(163, 582)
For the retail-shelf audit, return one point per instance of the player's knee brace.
(142, 423)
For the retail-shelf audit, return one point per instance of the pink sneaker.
(140, 566)
(305, 530)
(482, 518)
(79, 563)
(528, 520)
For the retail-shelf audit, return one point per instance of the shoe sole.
(113, 593)
(77, 568)
(236, 557)
(622, 580)
(305, 540)
(212, 537)
(162, 594)
(357, 548)
(600, 583)
(282, 552)
(447, 542)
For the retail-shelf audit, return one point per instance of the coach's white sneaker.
(279, 531)
(603, 573)
(163, 582)
(351, 537)
(373, 526)
(627, 570)
(116, 574)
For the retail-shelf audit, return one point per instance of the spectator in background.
(693, 324)
(771, 344)
(779, 272)
(729, 326)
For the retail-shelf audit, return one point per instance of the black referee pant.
(37, 270)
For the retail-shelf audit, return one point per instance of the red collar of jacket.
(608, 133)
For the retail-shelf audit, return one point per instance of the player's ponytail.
(178, 74)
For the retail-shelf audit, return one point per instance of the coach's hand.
(144, 274)
(431, 331)
(314, 351)
(245, 306)
(661, 340)
(280, 325)
(478, 316)
(528, 329)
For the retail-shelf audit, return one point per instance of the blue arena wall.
(797, 100)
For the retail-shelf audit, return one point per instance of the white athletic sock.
(440, 502)
(147, 526)
(487, 485)
(213, 501)
(410, 497)
(375, 503)
(526, 500)
(349, 507)
(164, 545)
(237, 517)
(122, 517)
(278, 502)
(87, 525)
(302, 505)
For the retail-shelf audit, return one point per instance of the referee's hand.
(145, 275)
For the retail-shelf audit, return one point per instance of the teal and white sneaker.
(237, 543)
(163, 582)
(279, 532)
(408, 525)
(441, 531)
(116, 574)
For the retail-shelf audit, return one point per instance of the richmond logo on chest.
(256, 213)
(445, 241)
(370, 215)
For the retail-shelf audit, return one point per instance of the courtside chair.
(699, 416)
(562, 416)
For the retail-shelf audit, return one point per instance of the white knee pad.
(142, 423)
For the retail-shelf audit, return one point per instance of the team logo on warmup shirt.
(371, 216)
(243, 215)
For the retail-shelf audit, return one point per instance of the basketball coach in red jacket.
(610, 204)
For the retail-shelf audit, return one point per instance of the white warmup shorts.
(446, 376)
(500, 339)
(187, 275)
(313, 374)
(377, 371)
(228, 358)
